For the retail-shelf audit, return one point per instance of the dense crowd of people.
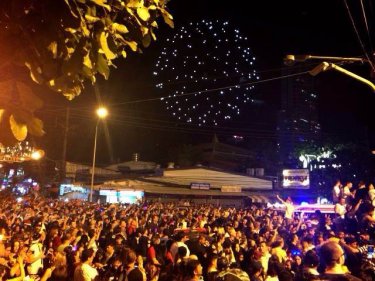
(45, 239)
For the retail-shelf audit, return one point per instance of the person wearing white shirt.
(340, 208)
(289, 207)
(85, 271)
(336, 191)
(340, 211)
(263, 247)
(35, 256)
(346, 192)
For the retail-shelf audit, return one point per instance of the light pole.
(328, 65)
(102, 113)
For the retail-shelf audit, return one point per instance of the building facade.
(298, 121)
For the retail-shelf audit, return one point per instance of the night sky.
(139, 122)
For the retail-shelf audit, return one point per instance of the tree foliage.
(351, 162)
(61, 44)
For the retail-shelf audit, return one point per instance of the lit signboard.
(122, 196)
(67, 188)
(200, 185)
(297, 178)
(231, 188)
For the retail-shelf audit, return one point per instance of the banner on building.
(296, 178)
(231, 188)
(200, 185)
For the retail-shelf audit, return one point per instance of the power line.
(202, 91)
(366, 24)
(254, 134)
(214, 89)
(358, 36)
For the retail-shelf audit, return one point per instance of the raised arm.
(280, 199)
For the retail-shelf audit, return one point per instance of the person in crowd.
(194, 270)
(340, 211)
(289, 208)
(256, 272)
(134, 270)
(35, 255)
(212, 270)
(76, 240)
(336, 191)
(361, 193)
(296, 265)
(154, 255)
(332, 257)
(309, 270)
(181, 238)
(347, 192)
(85, 271)
(265, 255)
(371, 194)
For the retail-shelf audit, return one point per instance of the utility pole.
(65, 143)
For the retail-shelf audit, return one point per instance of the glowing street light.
(102, 113)
(37, 154)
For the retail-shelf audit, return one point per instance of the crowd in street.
(45, 239)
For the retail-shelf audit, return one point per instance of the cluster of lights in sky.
(205, 70)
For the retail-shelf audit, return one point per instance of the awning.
(259, 199)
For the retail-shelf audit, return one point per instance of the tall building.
(298, 117)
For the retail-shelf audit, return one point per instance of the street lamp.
(37, 154)
(102, 113)
(324, 66)
(291, 59)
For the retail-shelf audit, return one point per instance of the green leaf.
(53, 48)
(6, 137)
(87, 61)
(19, 130)
(120, 28)
(154, 24)
(104, 46)
(134, 4)
(91, 19)
(70, 8)
(71, 92)
(144, 30)
(132, 44)
(35, 72)
(102, 66)
(88, 73)
(143, 13)
(102, 4)
(168, 19)
(35, 127)
(153, 34)
(85, 30)
(146, 41)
